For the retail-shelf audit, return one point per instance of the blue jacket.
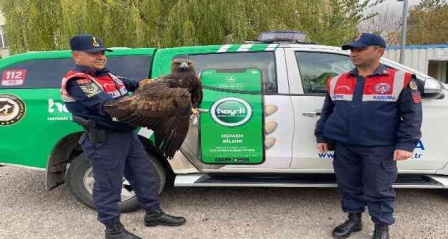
(85, 92)
(382, 109)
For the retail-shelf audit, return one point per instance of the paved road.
(28, 211)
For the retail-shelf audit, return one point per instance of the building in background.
(429, 59)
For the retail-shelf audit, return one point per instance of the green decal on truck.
(234, 123)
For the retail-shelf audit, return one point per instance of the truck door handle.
(311, 114)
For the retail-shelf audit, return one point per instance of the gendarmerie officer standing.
(373, 115)
(113, 148)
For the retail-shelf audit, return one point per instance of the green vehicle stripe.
(271, 47)
(258, 47)
(234, 48)
(224, 48)
(248, 47)
(245, 47)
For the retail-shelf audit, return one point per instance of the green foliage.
(428, 23)
(334, 23)
(429, 5)
(49, 24)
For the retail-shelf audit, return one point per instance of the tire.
(79, 180)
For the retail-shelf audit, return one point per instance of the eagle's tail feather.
(174, 139)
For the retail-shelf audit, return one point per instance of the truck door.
(308, 71)
(247, 118)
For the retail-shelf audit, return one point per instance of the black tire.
(80, 166)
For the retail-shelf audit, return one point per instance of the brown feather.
(164, 106)
(160, 108)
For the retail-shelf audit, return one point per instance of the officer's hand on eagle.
(163, 105)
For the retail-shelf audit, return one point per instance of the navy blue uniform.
(85, 92)
(368, 119)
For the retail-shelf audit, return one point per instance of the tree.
(326, 22)
(387, 24)
(428, 23)
(48, 24)
(29, 27)
(336, 22)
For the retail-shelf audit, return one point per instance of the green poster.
(233, 128)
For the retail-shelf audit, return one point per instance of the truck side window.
(48, 73)
(316, 67)
(264, 61)
(38, 73)
(132, 67)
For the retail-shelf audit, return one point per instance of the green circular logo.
(231, 111)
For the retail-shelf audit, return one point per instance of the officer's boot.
(381, 232)
(158, 217)
(353, 224)
(117, 231)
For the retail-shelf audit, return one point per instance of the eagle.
(6, 108)
(163, 105)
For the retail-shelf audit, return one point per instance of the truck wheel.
(80, 181)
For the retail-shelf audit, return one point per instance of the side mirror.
(432, 89)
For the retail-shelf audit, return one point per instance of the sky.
(392, 7)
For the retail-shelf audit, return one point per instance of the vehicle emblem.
(12, 109)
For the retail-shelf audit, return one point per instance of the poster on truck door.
(232, 131)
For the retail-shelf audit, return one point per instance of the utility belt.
(96, 135)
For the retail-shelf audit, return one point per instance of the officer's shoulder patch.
(413, 85)
(90, 89)
(416, 97)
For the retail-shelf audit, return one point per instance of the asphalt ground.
(28, 211)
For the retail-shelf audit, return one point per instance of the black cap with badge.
(365, 40)
(88, 43)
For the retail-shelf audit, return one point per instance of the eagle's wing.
(164, 110)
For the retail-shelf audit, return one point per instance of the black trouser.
(365, 176)
(122, 154)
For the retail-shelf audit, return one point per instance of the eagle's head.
(182, 65)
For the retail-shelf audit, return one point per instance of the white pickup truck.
(261, 103)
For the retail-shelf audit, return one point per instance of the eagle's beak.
(184, 65)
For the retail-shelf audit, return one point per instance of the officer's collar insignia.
(413, 85)
(95, 43)
(382, 88)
